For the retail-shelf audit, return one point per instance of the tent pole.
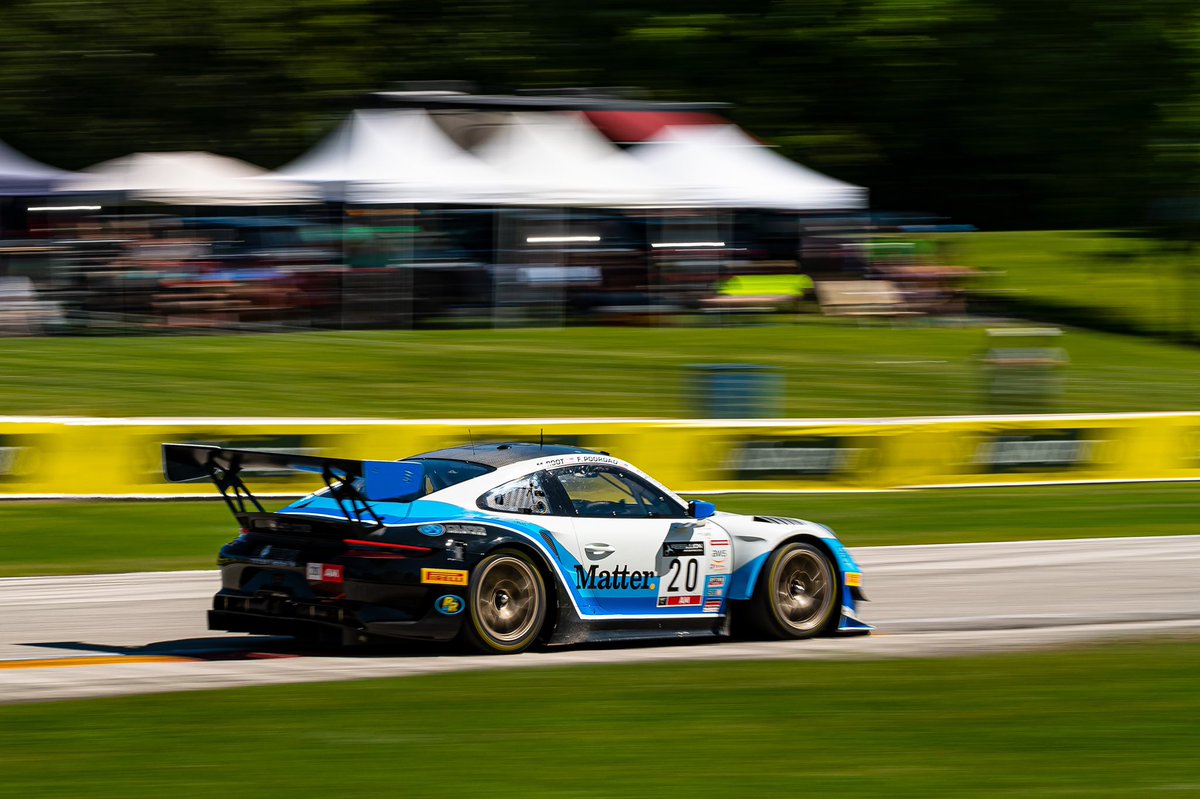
(497, 217)
(410, 238)
(344, 215)
(563, 259)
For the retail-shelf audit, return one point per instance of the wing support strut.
(229, 483)
(342, 489)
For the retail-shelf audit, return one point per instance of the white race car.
(506, 545)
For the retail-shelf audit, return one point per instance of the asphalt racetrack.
(105, 635)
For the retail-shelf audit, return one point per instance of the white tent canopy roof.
(21, 175)
(563, 160)
(187, 178)
(721, 166)
(396, 156)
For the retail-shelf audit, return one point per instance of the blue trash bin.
(736, 391)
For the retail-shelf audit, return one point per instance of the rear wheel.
(796, 596)
(506, 603)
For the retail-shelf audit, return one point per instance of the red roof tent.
(627, 127)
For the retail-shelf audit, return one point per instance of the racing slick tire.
(506, 604)
(796, 595)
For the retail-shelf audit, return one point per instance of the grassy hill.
(1111, 280)
(830, 368)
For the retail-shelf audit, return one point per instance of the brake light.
(372, 554)
(355, 542)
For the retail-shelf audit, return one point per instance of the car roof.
(503, 453)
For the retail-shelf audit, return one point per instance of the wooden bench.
(861, 298)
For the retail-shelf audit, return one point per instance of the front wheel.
(796, 596)
(506, 604)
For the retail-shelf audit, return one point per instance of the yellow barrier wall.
(118, 457)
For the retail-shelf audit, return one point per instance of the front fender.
(849, 577)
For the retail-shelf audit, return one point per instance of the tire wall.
(120, 457)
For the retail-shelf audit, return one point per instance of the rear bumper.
(273, 625)
(336, 623)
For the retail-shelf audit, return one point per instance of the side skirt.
(571, 629)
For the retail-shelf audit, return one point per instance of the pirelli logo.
(443, 576)
(853, 579)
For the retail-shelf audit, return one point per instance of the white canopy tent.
(396, 156)
(562, 160)
(22, 176)
(186, 178)
(720, 166)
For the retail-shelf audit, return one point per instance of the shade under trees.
(995, 111)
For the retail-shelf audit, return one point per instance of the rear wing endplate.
(395, 481)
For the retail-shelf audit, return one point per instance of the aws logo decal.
(449, 605)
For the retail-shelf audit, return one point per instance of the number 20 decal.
(691, 575)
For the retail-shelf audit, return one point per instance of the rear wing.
(353, 484)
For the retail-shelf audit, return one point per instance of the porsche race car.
(504, 546)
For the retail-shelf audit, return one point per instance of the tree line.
(1003, 113)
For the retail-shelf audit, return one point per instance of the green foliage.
(1015, 112)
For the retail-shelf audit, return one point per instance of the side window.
(523, 495)
(607, 492)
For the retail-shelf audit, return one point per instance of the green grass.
(1119, 721)
(1138, 283)
(84, 538)
(830, 368)
(108, 537)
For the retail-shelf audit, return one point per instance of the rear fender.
(550, 578)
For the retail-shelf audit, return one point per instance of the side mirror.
(397, 482)
(698, 509)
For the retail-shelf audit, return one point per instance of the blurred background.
(770, 251)
(788, 210)
(781, 210)
(356, 164)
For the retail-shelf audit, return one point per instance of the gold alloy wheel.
(508, 600)
(803, 590)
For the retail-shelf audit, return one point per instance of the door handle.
(597, 551)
